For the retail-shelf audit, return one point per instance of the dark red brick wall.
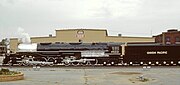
(171, 35)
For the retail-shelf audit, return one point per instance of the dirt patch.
(126, 73)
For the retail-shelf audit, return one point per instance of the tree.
(4, 42)
(5, 45)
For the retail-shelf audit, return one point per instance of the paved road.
(97, 76)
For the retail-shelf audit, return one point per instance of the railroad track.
(94, 66)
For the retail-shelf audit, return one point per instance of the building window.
(177, 39)
(167, 39)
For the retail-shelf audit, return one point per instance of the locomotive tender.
(97, 53)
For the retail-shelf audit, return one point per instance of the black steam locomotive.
(96, 54)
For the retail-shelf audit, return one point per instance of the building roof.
(88, 29)
(74, 29)
(128, 37)
(168, 31)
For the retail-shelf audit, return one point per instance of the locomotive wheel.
(149, 63)
(42, 64)
(141, 63)
(104, 63)
(178, 63)
(156, 63)
(20, 64)
(75, 63)
(88, 63)
(125, 64)
(130, 63)
(94, 62)
(112, 63)
(164, 62)
(24, 64)
(66, 64)
(171, 63)
(84, 63)
(51, 64)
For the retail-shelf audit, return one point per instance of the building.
(3, 49)
(172, 36)
(81, 35)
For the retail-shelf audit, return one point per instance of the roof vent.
(119, 35)
(172, 30)
(50, 35)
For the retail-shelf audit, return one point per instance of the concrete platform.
(97, 76)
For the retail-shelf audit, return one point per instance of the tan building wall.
(86, 35)
(90, 35)
(128, 39)
(13, 44)
(43, 39)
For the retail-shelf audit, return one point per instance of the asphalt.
(97, 76)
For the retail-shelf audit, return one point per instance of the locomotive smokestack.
(23, 36)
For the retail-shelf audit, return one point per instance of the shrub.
(7, 72)
(4, 70)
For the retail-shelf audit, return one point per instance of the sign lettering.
(156, 52)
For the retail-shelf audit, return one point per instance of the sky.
(143, 18)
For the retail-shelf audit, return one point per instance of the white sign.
(80, 34)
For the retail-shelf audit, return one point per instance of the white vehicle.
(31, 61)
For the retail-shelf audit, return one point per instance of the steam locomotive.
(95, 54)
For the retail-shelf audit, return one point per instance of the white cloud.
(77, 8)
(122, 16)
(112, 8)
